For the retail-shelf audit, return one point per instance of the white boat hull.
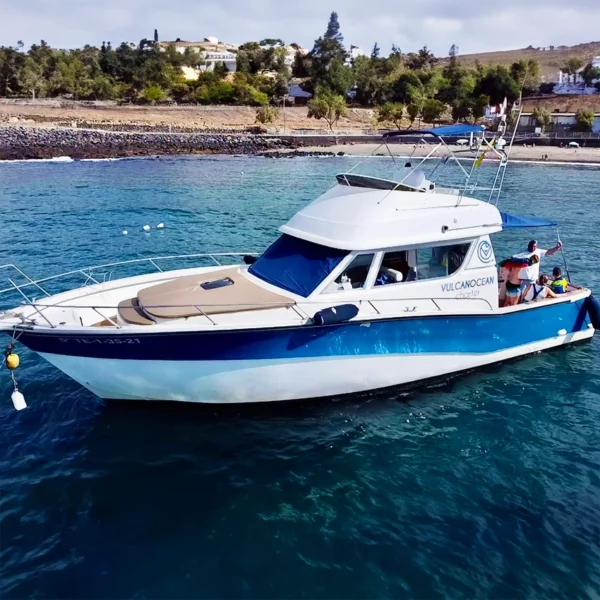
(245, 381)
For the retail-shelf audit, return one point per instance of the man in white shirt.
(531, 274)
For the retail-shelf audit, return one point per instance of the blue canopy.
(514, 221)
(445, 130)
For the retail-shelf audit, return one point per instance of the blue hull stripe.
(474, 334)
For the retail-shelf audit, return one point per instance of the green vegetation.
(572, 66)
(584, 119)
(266, 114)
(543, 117)
(391, 112)
(327, 105)
(401, 86)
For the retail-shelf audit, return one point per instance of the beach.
(554, 154)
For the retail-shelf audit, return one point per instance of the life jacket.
(560, 285)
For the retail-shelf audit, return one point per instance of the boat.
(377, 283)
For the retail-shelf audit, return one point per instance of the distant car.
(573, 145)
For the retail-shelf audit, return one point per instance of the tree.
(327, 51)
(542, 116)
(153, 94)
(327, 105)
(301, 66)
(461, 110)
(453, 52)
(32, 77)
(433, 110)
(266, 114)
(414, 110)
(406, 87)
(572, 66)
(590, 74)
(371, 85)
(271, 42)
(526, 73)
(421, 60)
(498, 84)
(375, 51)
(333, 29)
(72, 76)
(584, 119)
(391, 112)
(340, 77)
(478, 107)
(11, 62)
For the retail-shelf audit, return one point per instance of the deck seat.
(186, 297)
(130, 311)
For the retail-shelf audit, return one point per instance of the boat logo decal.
(484, 251)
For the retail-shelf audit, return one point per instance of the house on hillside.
(210, 50)
(297, 94)
(574, 84)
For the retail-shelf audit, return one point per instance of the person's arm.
(553, 250)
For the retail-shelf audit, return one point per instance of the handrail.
(38, 307)
(82, 270)
(266, 304)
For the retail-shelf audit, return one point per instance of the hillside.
(550, 60)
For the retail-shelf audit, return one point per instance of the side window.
(440, 261)
(394, 268)
(354, 275)
(420, 264)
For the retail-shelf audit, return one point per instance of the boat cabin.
(411, 241)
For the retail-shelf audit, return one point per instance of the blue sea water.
(486, 486)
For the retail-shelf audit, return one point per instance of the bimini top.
(360, 218)
(517, 222)
(445, 130)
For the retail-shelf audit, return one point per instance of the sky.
(474, 25)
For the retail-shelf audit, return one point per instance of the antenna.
(517, 106)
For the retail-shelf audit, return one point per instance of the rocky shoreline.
(22, 142)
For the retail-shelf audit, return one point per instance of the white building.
(212, 59)
(566, 120)
(574, 84)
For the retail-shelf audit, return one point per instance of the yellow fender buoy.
(12, 360)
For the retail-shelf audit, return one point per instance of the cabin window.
(354, 276)
(421, 263)
(296, 265)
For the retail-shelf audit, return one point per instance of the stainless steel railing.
(88, 272)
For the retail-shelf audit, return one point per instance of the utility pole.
(284, 114)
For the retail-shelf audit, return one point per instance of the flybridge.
(484, 144)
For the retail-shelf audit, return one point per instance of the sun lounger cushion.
(186, 296)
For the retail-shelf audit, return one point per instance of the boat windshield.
(296, 265)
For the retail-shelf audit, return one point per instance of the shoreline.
(23, 142)
(519, 154)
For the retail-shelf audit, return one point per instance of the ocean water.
(486, 486)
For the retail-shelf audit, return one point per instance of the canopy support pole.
(562, 251)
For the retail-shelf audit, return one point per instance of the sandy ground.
(196, 117)
(555, 154)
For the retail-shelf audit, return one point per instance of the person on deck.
(531, 274)
(560, 285)
(514, 281)
(539, 290)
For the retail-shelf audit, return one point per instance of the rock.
(27, 142)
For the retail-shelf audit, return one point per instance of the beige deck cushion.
(131, 313)
(184, 297)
